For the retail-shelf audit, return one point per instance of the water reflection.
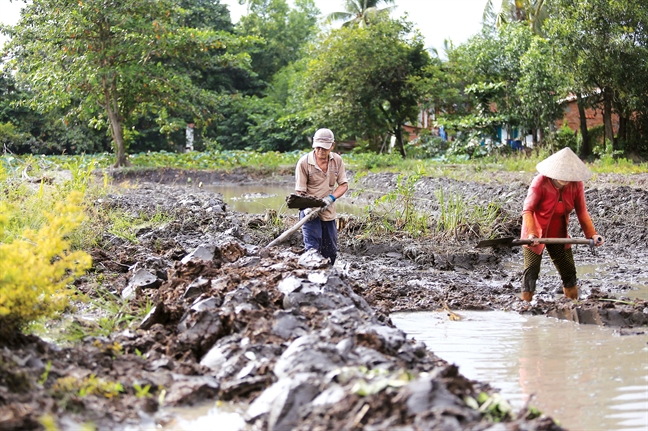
(585, 376)
(208, 417)
(257, 199)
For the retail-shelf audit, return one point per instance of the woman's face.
(559, 183)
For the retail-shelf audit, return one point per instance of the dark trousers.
(320, 235)
(563, 260)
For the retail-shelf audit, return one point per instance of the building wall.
(594, 117)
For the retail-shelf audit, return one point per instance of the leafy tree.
(365, 81)
(259, 116)
(602, 46)
(38, 133)
(285, 31)
(271, 123)
(360, 13)
(490, 69)
(540, 88)
(209, 14)
(210, 74)
(115, 63)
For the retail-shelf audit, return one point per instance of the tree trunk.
(111, 104)
(622, 134)
(118, 139)
(586, 148)
(607, 118)
(399, 138)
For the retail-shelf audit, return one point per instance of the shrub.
(565, 137)
(426, 146)
(597, 137)
(37, 265)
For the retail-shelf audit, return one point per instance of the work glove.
(598, 240)
(329, 199)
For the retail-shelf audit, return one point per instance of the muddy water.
(629, 278)
(257, 199)
(584, 376)
(228, 416)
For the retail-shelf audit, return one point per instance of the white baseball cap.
(323, 138)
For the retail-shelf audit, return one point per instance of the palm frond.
(489, 17)
(338, 16)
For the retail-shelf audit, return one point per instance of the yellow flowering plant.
(37, 266)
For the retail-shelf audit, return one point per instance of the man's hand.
(598, 240)
(329, 199)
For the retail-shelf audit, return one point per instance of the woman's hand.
(532, 236)
(598, 240)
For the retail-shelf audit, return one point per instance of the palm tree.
(533, 12)
(360, 12)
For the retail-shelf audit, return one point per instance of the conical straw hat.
(564, 166)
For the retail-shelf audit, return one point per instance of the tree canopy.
(114, 64)
(143, 69)
(602, 46)
(362, 81)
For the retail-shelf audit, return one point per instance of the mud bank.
(306, 345)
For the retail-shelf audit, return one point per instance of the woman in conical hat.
(552, 196)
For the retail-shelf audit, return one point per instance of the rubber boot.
(527, 296)
(571, 292)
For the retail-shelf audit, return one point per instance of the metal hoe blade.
(499, 242)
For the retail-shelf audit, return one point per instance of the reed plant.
(396, 211)
(460, 218)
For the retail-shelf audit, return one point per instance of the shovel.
(314, 212)
(512, 242)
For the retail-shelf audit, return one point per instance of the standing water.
(257, 199)
(586, 377)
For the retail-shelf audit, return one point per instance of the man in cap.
(552, 196)
(321, 173)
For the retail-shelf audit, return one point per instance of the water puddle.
(584, 376)
(210, 416)
(257, 199)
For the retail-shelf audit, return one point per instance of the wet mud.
(306, 345)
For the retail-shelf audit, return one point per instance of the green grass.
(273, 162)
(111, 313)
(126, 226)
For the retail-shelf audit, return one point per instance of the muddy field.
(306, 345)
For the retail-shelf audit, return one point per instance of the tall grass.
(396, 210)
(459, 218)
